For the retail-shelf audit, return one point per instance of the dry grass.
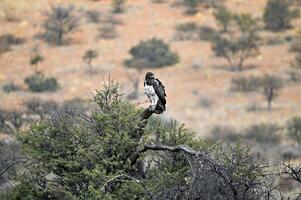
(140, 22)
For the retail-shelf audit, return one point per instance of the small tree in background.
(191, 6)
(35, 59)
(271, 86)
(9, 40)
(88, 57)
(239, 44)
(224, 18)
(278, 15)
(294, 129)
(60, 22)
(152, 53)
(118, 6)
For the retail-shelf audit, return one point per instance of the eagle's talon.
(152, 108)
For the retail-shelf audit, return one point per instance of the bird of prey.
(155, 92)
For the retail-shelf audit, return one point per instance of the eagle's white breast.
(151, 94)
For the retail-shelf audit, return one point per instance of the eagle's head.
(149, 78)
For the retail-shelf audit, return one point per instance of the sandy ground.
(143, 20)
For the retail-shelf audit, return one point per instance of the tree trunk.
(269, 105)
(239, 66)
(90, 67)
(60, 37)
(36, 68)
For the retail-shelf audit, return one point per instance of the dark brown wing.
(160, 90)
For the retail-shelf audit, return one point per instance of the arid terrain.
(186, 85)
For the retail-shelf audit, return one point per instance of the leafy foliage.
(191, 6)
(73, 155)
(278, 15)
(152, 53)
(245, 84)
(224, 18)
(11, 87)
(118, 5)
(8, 40)
(59, 23)
(35, 60)
(294, 129)
(93, 16)
(39, 83)
(264, 134)
(10, 121)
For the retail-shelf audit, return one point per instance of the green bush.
(278, 15)
(39, 83)
(118, 6)
(10, 121)
(226, 133)
(294, 129)
(245, 84)
(107, 31)
(264, 133)
(152, 53)
(224, 18)
(187, 31)
(8, 40)
(11, 87)
(41, 107)
(207, 33)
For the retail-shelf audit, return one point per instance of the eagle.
(155, 91)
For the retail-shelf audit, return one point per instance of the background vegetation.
(232, 75)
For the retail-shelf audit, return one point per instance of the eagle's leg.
(147, 113)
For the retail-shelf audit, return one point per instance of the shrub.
(191, 6)
(207, 33)
(11, 87)
(245, 84)
(9, 158)
(39, 83)
(264, 133)
(10, 121)
(187, 31)
(93, 16)
(158, 1)
(278, 15)
(78, 104)
(60, 22)
(40, 107)
(107, 31)
(187, 27)
(8, 40)
(253, 107)
(294, 129)
(152, 53)
(118, 6)
(296, 45)
(225, 133)
(224, 18)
